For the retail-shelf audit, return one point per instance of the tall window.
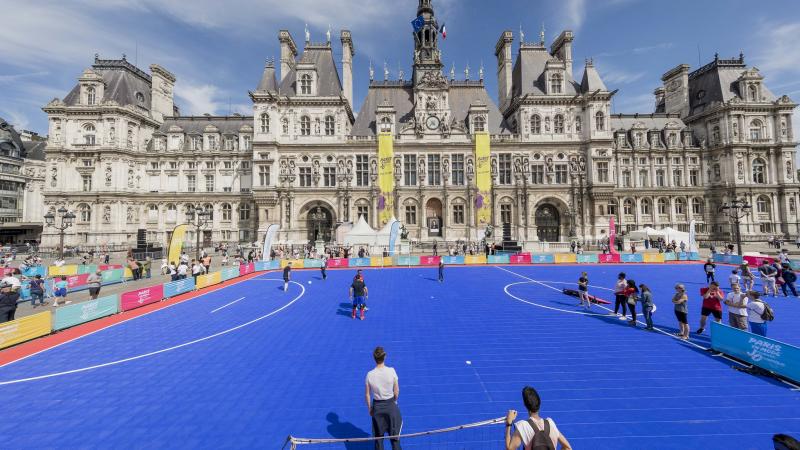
(602, 172)
(458, 214)
(759, 171)
(561, 173)
(285, 125)
(410, 170)
(329, 176)
(229, 143)
(88, 136)
(90, 96)
(265, 123)
(555, 83)
(677, 177)
(504, 168)
(87, 183)
(305, 126)
(536, 124)
(627, 207)
(197, 143)
(626, 178)
(330, 126)
(558, 124)
(386, 124)
(434, 170)
(752, 93)
(578, 123)
(755, 130)
(599, 121)
(643, 179)
(227, 212)
(363, 211)
(305, 176)
(680, 207)
(715, 135)
(637, 139)
(537, 174)
(191, 183)
(663, 206)
(480, 124)
(697, 206)
(673, 139)
(244, 211)
(660, 181)
(85, 212)
(505, 213)
(305, 84)
(209, 183)
(694, 177)
(246, 141)
(457, 165)
(645, 207)
(362, 170)
(763, 205)
(263, 175)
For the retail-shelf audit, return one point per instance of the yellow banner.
(561, 258)
(296, 263)
(475, 259)
(385, 178)
(63, 270)
(653, 257)
(380, 261)
(25, 329)
(483, 179)
(176, 243)
(208, 279)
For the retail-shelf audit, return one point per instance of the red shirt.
(712, 302)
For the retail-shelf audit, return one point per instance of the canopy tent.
(360, 234)
(383, 234)
(667, 233)
(642, 234)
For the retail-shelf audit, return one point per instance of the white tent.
(667, 233)
(643, 234)
(360, 234)
(385, 232)
(671, 234)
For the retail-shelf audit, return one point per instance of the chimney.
(503, 53)
(562, 48)
(288, 52)
(348, 51)
(676, 87)
(161, 92)
(659, 96)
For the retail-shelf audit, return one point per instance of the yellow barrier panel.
(475, 259)
(380, 261)
(128, 273)
(653, 257)
(296, 263)
(208, 279)
(562, 258)
(25, 329)
(70, 269)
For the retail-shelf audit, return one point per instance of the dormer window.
(673, 139)
(330, 126)
(91, 96)
(265, 123)
(139, 98)
(305, 84)
(386, 125)
(555, 83)
(479, 125)
(752, 93)
(637, 139)
(621, 140)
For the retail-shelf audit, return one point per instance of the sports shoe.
(622, 318)
(700, 330)
(68, 302)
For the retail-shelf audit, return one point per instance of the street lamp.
(198, 217)
(66, 221)
(735, 210)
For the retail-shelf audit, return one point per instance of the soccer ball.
(309, 282)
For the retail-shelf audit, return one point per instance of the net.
(486, 434)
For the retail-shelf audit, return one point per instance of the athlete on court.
(358, 295)
(287, 275)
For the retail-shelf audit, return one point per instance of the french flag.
(444, 31)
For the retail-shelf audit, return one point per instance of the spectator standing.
(619, 296)
(736, 300)
(37, 291)
(632, 296)
(207, 263)
(583, 291)
(60, 291)
(183, 269)
(324, 268)
(647, 305)
(534, 433)
(768, 274)
(147, 267)
(734, 278)
(441, 270)
(681, 300)
(789, 278)
(197, 269)
(172, 271)
(435, 248)
(95, 281)
(709, 267)
(758, 314)
(382, 392)
(8, 302)
(748, 278)
(287, 275)
(712, 298)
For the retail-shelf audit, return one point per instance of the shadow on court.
(346, 430)
(345, 309)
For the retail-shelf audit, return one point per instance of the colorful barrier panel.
(406, 260)
(109, 266)
(608, 258)
(296, 263)
(127, 272)
(522, 258)
(209, 279)
(267, 265)
(631, 257)
(112, 276)
(674, 257)
(453, 260)
(694, 256)
(244, 269)
(88, 268)
(6, 271)
(756, 261)
(71, 315)
(542, 258)
(226, 273)
(74, 282)
(475, 259)
(33, 271)
(776, 356)
(428, 260)
(177, 287)
(338, 262)
(359, 262)
(312, 263)
(378, 261)
(590, 258)
(140, 297)
(561, 258)
(70, 269)
(25, 329)
(728, 259)
(653, 257)
(498, 259)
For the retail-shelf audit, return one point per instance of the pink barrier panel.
(338, 262)
(105, 267)
(608, 258)
(755, 261)
(7, 271)
(429, 260)
(75, 281)
(135, 299)
(244, 269)
(522, 258)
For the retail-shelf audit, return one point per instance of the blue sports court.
(249, 364)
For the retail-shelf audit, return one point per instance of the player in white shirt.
(535, 430)
(734, 279)
(382, 392)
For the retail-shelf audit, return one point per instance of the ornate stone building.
(21, 184)
(123, 158)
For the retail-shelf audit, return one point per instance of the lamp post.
(67, 218)
(198, 217)
(735, 210)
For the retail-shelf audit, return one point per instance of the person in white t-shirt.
(535, 429)
(736, 300)
(382, 392)
(734, 279)
(755, 308)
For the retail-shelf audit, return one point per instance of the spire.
(268, 81)
(466, 72)
(591, 79)
(371, 71)
(400, 74)
(385, 71)
(541, 35)
(453, 72)
(480, 72)
(521, 35)
(328, 34)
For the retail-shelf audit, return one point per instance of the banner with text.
(483, 180)
(775, 356)
(385, 178)
(176, 243)
(176, 287)
(140, 297)
(25, 329)
(71, 315)
(269, 236)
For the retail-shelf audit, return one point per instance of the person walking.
(95, 282)
(435, 248)
(748, 278)
(789, 278)
(736, 301)
(358, 295)
(8, 302)
(768, 275)
(534, 433)
(712, 298)
(619, 296)
(631, 297)
(37, 291)
(441, 270)
(382, 392)
(287, 276)
(60, 291)
(207, 263)
(709, 267)
(758, 314)
(324, 268)
(583, 291)
(734, 278)
(197, 270)
(681, 300)
(648, 307)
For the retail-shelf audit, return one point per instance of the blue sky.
(217, 48)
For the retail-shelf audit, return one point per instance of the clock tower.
(431, 105)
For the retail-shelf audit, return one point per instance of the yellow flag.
(483, 178)
(176, 243)
(385, 177)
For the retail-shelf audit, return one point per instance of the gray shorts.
(737, 321)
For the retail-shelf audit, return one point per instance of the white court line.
(163, 350)
(795, 387)
(226, 305)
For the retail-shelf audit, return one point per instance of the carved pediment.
(432, 80)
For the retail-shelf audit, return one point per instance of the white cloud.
(778, 49)
(199, 98)
(16, 118)
(575, 13)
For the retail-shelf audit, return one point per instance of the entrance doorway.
(319, 223)
(433, 217)
(548, 223)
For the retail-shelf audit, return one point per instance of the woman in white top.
(535, 430)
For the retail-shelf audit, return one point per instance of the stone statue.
(53, 176)
(431, 102)
(547, 124)
(130, 214)
(308, 34)
(108, 175)
(470, 167)
(789, 170)
(107, 214)
(130, 178)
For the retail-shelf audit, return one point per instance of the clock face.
(432, 122)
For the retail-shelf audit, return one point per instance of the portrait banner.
(483, 179)
(385, 178)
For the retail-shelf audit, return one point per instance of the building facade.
(123, 158)
(22, 167)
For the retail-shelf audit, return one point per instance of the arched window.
(663, 206)
(697, 206)
(305, 84)
(536, 124)
(715, 136)
(88, 134)
(558, 124)
(480, 124)
(759, 171)
(330, 126)
(752, 93)
(244, 211)
(599, 121)
(152, 212)
(555, 84)
(91, 96)
(763, 205)
(209, 208)
(305, 126)
(627, 207)
(85, 212)
(265, 123)
(139, 97)
(577, 124)
(227, 212)
(172, 213)
(386, 124)
(680, 207)
(645, 207)
(756, 129)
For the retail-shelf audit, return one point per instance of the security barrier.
(244, 269)
(586, 259)
(653, 257)
(177, 287)
(453, 260)
(358, 262)
(209, 279)
(33, 271)
(475, 259)
(523, 258)
(54, 271)
(25, 329)
(71, 315)
(429, 260)
(563, 258)
(338, 262)
(631, 257)
(310, 263)
(775, 356)
(378, 261)
(498, 259)
(140, 297)
(405, 260)
(542, 258)
(728, 259)
(227, 273)
(91, 268)
(608, 258)
(296, 263)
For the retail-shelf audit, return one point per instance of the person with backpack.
(535, 433)
(789, 278)
(758, 314)
(631, 297)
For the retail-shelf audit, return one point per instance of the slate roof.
(650, 121)
(197, 124)
(35, 150)
(528, 73)
(122, 81)
(268, 81)
(328, 82)
(591, 80)
(719, 82)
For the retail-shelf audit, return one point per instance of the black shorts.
(94, 291)
(681, 316)
(708, 312)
